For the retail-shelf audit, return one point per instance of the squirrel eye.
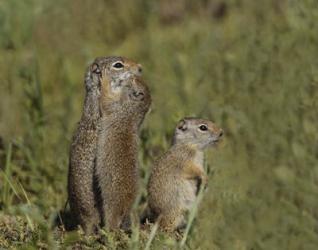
(118, 65)
(203, 128)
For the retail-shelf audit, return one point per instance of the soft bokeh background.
(251, 66)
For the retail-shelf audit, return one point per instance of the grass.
(250, 66)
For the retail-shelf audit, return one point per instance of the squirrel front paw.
(202, 182)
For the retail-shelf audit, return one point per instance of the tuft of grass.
(8, 188)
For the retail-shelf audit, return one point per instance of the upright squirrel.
(117, 151)
(176, 177)
(110, 85)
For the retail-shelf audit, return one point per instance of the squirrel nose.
(139, 69)
(221, 133)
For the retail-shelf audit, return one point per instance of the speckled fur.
(82, 155)
(117, 157)
(107, 90)
(176, 177)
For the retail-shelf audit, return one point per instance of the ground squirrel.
(176, 177)
(105, 78)
(122, 113)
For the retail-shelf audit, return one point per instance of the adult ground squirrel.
(117, 154)
(106, 78)
(176, 177)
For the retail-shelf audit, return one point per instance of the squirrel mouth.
(137, 95)
(215, 141)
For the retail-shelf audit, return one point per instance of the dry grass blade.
(152, 235)
(191, 217)
(30, 223)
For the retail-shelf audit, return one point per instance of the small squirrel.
(177, 176)
(122, 113)
(107, 78)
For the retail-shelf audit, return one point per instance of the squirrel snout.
(137, 70)
(221, 133)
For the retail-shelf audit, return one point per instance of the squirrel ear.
(95, 68)
(182, 125)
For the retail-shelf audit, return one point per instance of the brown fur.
(107, 89)
(82, 155)
(117, 157)
(177, 176)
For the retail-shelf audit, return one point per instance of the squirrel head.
(119, 82)
(199, 133)
(112, 72)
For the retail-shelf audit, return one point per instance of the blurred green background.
(251, 66)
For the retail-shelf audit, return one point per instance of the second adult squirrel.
(117, 150)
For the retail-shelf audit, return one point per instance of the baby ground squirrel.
(176, 177)
(111, 79)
